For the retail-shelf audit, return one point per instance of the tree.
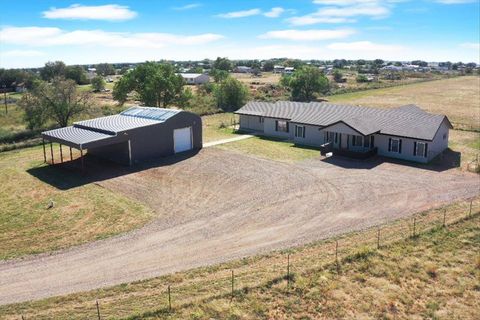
(268, 66)
(58, 100)
(222, 64)
(420, 63)
(52, 70)
(156, 84)
(378, 63)
(219, 75)
(98, 83)
(337, 76)
(339, 63)
(305, 82)
(77, 74)
(362, 78)
(105, 69)
(231, 94)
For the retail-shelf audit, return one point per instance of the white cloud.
(23, 53)
(45, 37)
(365, 46)
(307, 35)
(187, 6)
(455, 1)
(109, 12)
(274, 12)
(344, 11)
(240, 14)
(471, 45)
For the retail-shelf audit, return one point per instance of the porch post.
(51, 152)
(44, 153)
(81, 158)
(61, 153)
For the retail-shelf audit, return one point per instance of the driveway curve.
(221, 205)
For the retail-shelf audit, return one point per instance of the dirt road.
(220, 205)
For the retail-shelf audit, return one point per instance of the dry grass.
(458, 98)
(466, 142)
(218, 126)
(80, 214)
(432, 275)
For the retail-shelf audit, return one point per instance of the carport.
(77, 138)
(135, 135)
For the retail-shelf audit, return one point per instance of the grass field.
(273, 149)
(218, 126)
(433, 275)
(80, 214)
(458, 98)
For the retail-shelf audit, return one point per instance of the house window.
(357, 141)
(281, 126)
(444, 136)
(261, 119)
(420, 149)
(336, 137)
(395, 145)
(300, 131)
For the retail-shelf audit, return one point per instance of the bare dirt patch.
(219, 205)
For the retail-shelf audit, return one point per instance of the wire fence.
(169, 294)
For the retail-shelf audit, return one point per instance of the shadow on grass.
(69, 174)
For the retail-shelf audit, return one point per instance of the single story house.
(195, 78)
(136, 134)
(406, 132)
(242, 69)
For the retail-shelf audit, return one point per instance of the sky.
(33, 32)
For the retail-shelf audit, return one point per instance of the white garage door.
(182, 139)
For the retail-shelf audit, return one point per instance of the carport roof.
(76, 137)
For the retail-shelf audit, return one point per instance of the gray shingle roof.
(407, 121)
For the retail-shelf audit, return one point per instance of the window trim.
(425, 148)
(399, 145)
(299, 128)
(277, 126)
(261, 119)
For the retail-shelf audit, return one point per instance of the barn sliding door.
(182, 139)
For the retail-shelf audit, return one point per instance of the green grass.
(434, 275)
(273, 149)
(81, 214)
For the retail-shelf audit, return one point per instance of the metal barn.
(135, 135)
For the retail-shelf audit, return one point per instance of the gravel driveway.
(220, 205)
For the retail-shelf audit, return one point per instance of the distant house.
(278, 69)
(406, 132)
(19, 87)
(243, 69)
(91, 73)
(195, 78)
(289, 70)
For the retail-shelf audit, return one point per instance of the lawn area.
(81, 214)
(458, 98)
(273, 149)
(467, 143)
(218, 126)
(431, 275)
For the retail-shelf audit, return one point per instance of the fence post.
(169, 300)
(288, 270)
(414, 226)
(378, 238)
(470, 212)
(233, 284)
(336, 257)
(444, 217)
(98, 310)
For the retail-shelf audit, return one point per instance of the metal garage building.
(135, 135)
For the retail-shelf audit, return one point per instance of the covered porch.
(345, 140)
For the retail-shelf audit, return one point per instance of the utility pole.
(5, 97)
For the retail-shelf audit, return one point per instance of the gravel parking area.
(220, 205)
